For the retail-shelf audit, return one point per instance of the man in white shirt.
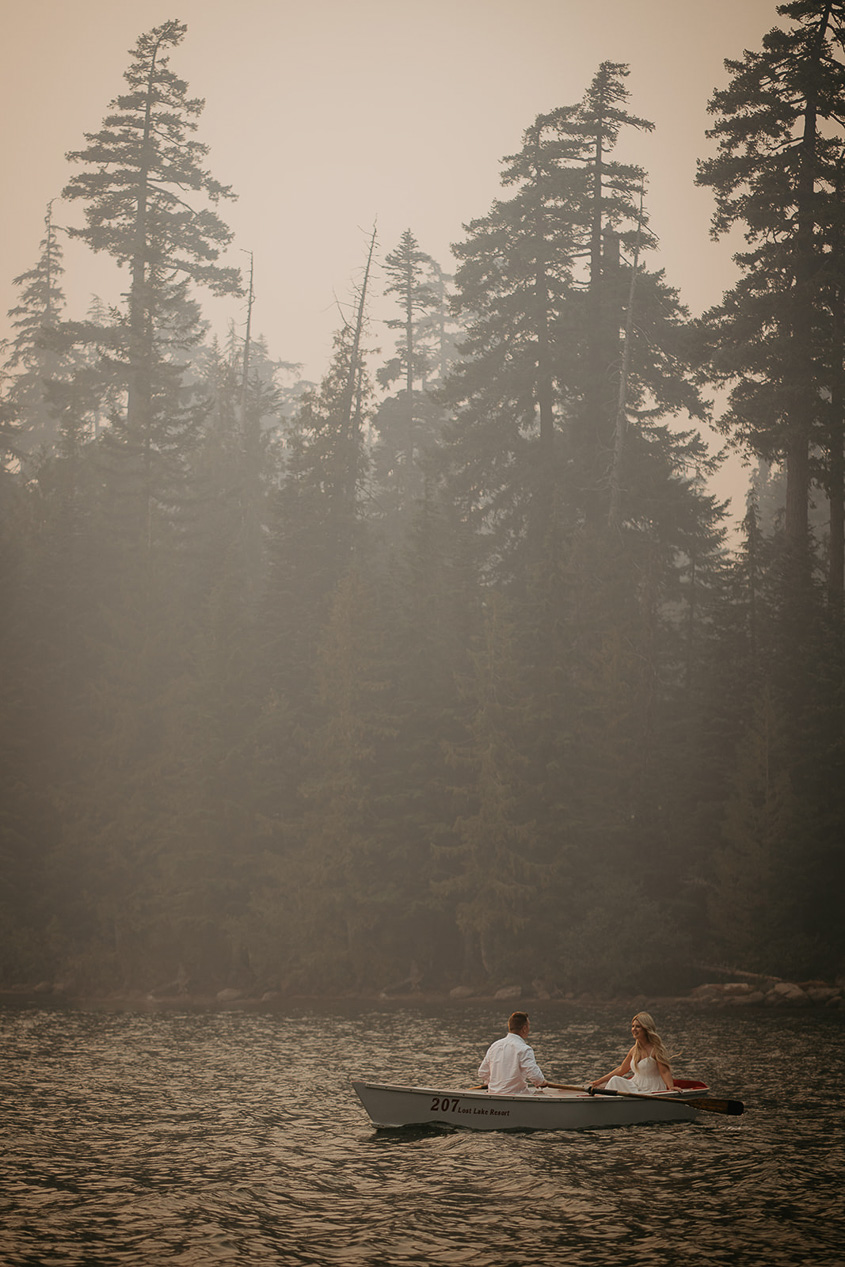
(509, 1065)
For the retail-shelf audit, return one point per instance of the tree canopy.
(445, 670)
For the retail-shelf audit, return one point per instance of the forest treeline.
(443, 670)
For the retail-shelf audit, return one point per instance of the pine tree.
(149, 203)
(514, 286)
(35, 353)
(405, 422)
(318, 522)
(777, 175)
(776, 339)
(612, 205)
(122, 517)
(408, 271)
(545, 284)
(437, 331)
(328, 462)
(612, 546)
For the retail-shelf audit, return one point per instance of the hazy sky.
(326, 115)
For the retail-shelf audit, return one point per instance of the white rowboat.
(548, 1110)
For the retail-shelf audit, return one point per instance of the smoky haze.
(325, 117)
(318, 680)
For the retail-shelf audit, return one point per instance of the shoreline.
(814, 994)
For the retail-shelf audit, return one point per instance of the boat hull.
(394, 1106)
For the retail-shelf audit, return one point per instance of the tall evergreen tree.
(777, 175)
(408, 272)
(317, 522)
(608, 621)
(612, 209)
(35, 354)
(544, 286)
(401, 420)
(149, 202)
(776, 338)
(514, 287)
(437, 331)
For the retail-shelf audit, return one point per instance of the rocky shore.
(771, 993)
(760, 992)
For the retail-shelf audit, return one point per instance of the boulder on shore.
(229, 995)
(461, 992)
(770, 992)
(787, 992)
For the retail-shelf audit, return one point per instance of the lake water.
(234, 1137)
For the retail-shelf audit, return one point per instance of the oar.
(731, 1107)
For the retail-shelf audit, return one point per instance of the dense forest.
(445, 670)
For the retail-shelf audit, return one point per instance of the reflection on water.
(235, 1138)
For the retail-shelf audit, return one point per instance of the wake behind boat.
(549, 1110)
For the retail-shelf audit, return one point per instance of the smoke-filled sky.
(329, 115)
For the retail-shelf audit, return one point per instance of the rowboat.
(389, 1105)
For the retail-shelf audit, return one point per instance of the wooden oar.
(731, 1107)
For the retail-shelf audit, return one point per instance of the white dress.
(645, 1079)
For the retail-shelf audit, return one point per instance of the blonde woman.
(646, 1067)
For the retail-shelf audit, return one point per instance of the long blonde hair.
(652, 1039)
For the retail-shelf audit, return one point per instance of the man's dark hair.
(517, 1021)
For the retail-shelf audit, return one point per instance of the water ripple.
(207, 1138)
